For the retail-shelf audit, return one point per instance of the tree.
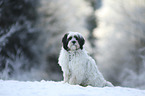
(121, 36)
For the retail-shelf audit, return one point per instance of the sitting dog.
(77, 66)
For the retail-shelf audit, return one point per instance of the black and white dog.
(77, 66)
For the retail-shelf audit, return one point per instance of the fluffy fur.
(77, 66)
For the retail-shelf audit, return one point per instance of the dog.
(77, 66)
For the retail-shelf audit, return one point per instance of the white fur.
(79, 68)
(70, 45)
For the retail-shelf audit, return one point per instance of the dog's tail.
(109, 84)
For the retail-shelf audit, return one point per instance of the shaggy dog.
(77, 66)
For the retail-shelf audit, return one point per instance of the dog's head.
(73, 41)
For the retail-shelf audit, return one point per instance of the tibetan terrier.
(77, 66)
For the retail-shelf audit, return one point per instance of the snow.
(51, 88)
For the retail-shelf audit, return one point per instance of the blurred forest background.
(31, 32)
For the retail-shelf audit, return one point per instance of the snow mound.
(50, 88)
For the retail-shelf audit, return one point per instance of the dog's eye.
(76, 37)
(69, 38)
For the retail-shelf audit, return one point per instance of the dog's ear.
(81, 41)
(65, 42)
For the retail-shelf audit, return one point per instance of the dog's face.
(73, 41)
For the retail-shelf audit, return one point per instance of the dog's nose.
(73, 42)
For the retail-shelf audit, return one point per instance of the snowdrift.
(51, 88)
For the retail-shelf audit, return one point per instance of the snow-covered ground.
(50, 88)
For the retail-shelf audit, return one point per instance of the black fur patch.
(81, 41)
(65, 42)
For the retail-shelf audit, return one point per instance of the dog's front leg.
(66, 76)
(73, 80)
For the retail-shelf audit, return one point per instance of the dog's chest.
(75, 60)
(74, 56)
